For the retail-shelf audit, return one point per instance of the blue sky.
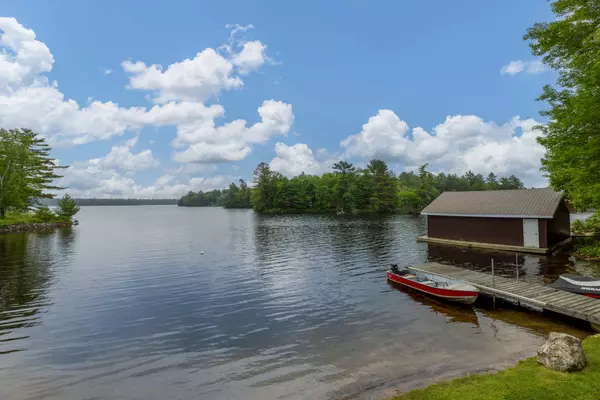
(448, 83)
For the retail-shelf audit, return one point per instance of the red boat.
(434, 285)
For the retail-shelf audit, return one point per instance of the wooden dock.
(558, 301)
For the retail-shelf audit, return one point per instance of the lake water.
(126, 306)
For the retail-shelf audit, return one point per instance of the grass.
(528, 380)
(16, 218)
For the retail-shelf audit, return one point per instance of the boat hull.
(459, 296)
(584, 285)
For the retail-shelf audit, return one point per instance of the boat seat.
(427, 282)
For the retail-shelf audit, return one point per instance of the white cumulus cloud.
(252, 57)
(88, 179)
(194, 79)
(293, 160)
(458, 144)
(27, 99)
(23, 58)
(122, 158)
(383, 136)
(208, 143)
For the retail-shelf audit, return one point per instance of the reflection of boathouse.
(534, 220)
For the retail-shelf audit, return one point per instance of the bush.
(589, 225)
(587, 248)
(577, 225)
(44, 214)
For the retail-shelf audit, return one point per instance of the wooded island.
(348, 189)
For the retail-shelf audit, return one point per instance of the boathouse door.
(531, 234)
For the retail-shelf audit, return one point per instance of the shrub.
(587, 248)
(44, 214)
(589, 225)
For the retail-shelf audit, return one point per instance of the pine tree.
(67, 207)
(26, 169)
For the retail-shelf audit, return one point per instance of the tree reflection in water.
(27, 269)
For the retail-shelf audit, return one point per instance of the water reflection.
(126, 306)
(26, 272)
(533, 268)
(453, 312)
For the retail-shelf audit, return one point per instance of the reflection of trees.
(538, 323)
(477, 259)
(66, 238)
(379, 238)
(26, 271)
(531, 267)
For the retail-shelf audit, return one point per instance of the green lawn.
(528, 380)
(18, 218)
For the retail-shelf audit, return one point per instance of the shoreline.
(34, 227)
(510, 381)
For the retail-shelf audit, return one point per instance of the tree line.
(233, 197)
(119, 202)
(347, 189)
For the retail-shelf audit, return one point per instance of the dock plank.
(557, 295)
(571, 304)
(593, 308)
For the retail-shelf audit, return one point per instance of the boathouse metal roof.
(520, 203)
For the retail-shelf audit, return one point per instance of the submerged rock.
(562, 352)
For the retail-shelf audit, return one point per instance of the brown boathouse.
(529, 220)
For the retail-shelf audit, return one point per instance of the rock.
(32, 227)
(562, 352)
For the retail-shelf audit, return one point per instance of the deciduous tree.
(570, 44)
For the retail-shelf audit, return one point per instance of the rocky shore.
(34, 227)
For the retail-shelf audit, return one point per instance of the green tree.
(67, 207)
(426, 191)
(26, 169)
(409, 202)
(266, 187)
(475, 181)
(492, 181)
(384, 187)
(202, 199)
(343, 193)
(305, 189)
(324, 193)
(237, 197)
(570, 44)
(374, 189)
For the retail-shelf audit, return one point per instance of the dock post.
(493, 286)
(517, 264)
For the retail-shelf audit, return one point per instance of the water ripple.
(126, 306)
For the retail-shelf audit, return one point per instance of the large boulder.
(562, 352)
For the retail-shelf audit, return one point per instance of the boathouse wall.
(507, 231)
